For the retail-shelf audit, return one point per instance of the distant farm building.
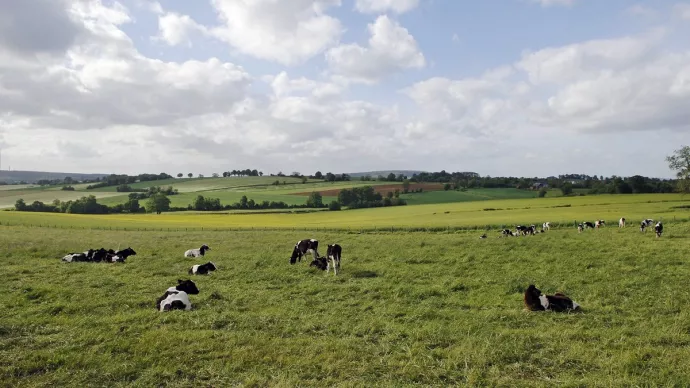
(539, 186)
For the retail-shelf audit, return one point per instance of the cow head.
(187, 286)
(211, 266)
(533, 298)
(295, 254)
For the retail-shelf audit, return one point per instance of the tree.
(334, 206)
(190, 175)
(132, 206)
(390, 177)
(20, 205)
(158, 203)
(446, 187)
(542, 192)
(315, 200)
(180, 175)
(680, 163)
(243, 202)
(215, 175)
(567, 188)
(318, 175)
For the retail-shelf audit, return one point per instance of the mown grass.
(432, 309)
(479, 213)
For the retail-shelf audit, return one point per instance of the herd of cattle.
(177, 297)
(522, 230)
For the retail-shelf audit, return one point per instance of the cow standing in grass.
(302, 248)
(621, 222)
(658, 228)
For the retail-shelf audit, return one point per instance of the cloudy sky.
(499, 87)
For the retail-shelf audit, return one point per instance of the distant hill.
(374, 174)
(35, 176)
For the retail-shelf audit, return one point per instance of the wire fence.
(347, 229)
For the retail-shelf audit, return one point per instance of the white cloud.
(175, 29)
(391, 48)
(287, 32)
(381, 6)
(549, 3)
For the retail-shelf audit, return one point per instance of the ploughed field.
(408, 308)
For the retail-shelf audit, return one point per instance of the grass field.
(465, 196)
(462, 214)
(431, 309)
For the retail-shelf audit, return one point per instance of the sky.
(498, 87)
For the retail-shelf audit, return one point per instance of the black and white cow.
(302, 248)
(599, 223)
(646, 224)
(658, 228)
(536, 301)
(334, 253)
(320, 263)
(75, 257)
(119, 256)
(483, 236)
(588, 225)
(621, 222)
(197, 252)
(507, 232)
(546, 226)
(202, 269)
(177, 298)
(520, 229)
(580, 228)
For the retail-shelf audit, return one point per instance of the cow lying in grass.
(202, 269)
(100, 255)
(536, 301)
(177, 298)
(197, 252)
(332, 259)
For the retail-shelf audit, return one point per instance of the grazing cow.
(621, 222)
(302, 248)
(645, 224)
(483, 236)
(546, 226)
(197, 252)
(536, 301)
(588, 225)
(320, 263)
(333, 253)
(580, 228)
(599, 223)
(177, 298)
(202, 269)
(507, 232)
(658, 228)
(520, 229)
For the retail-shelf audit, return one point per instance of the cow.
(580, 228)
(599, 223)
(588, 225)
(302, 248)
(320, 263)
(203, 269)
(546, 226)
(536, 301)
(621, 222)
(520, 229)
(333, 253)
(483, 236)
(75, 257)
(197, 252)
(177, 298)
(645, 224)
(507, 232)
(658, 228)
(119, 256)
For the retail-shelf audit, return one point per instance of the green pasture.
(408, 309)
(9, 197)
(470, 195)
(226, 198)
(478, 213)
(206, 184)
